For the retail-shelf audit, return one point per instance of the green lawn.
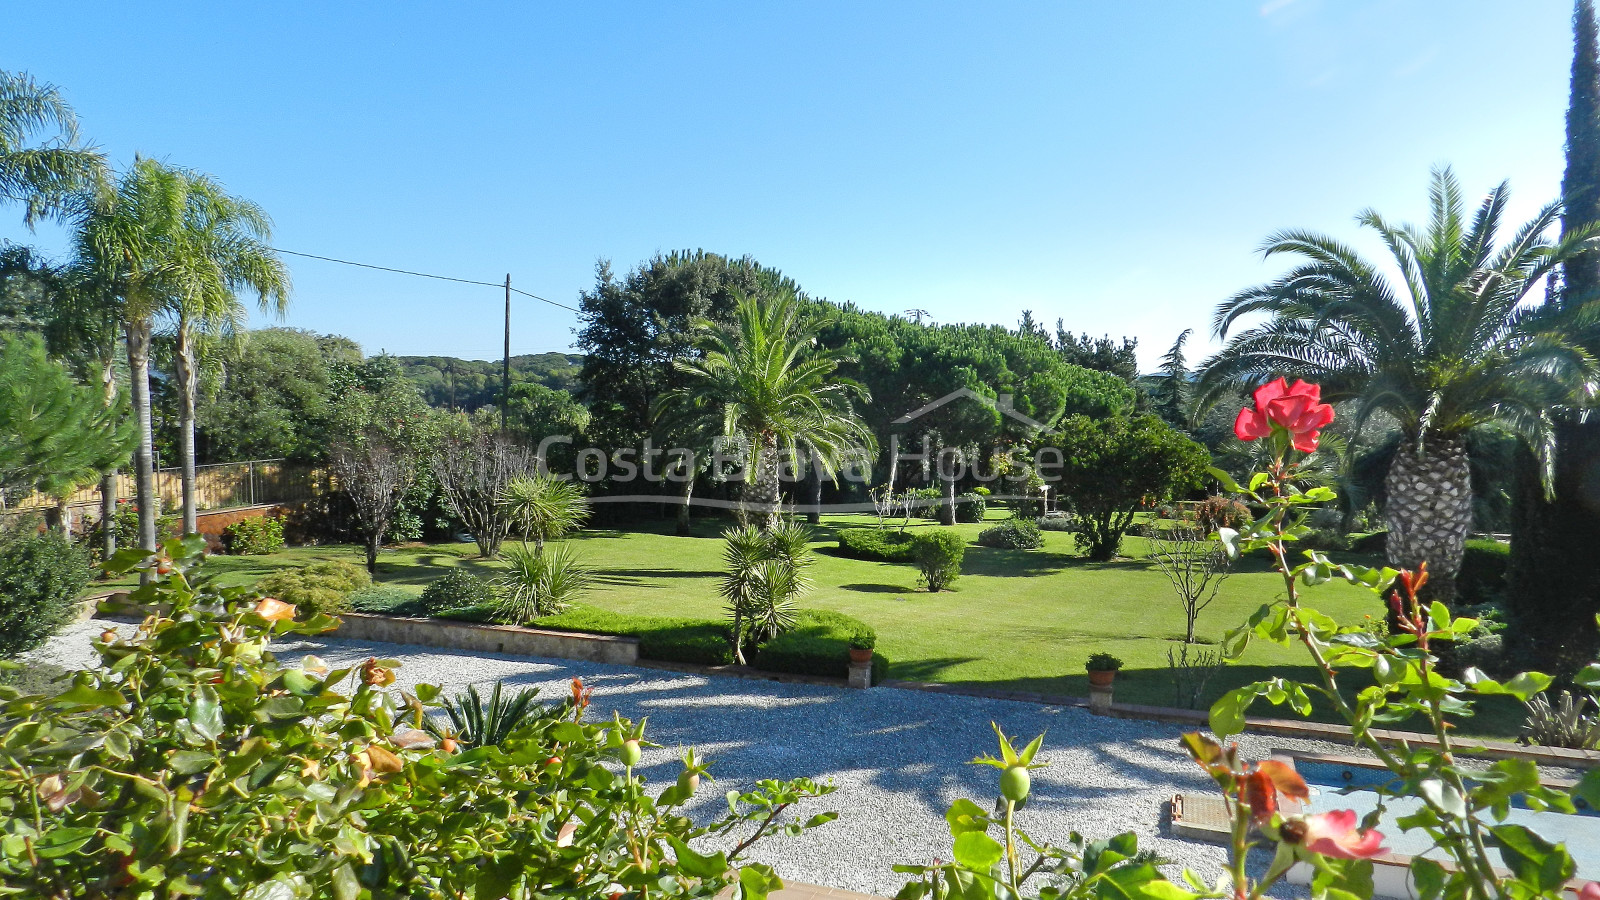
(1016, 620)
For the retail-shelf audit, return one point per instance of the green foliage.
(818, 644)
(1220, 511)
(41, 576)
(193, 740)
(1057, 523)
(539, 584)
(1482, 577)
(1102, 662)
(1013, 534)
(971, 507)
(469, 384)
(255, 536)
(456, 589)
(874, 543)
(937, 553)
(1570, 722)
(274, 397)
(387, 599)
(474, 723)
(55, 434)
(1112, 467)
(985, 866)
(320, 588)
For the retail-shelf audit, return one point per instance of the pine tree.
(56, 435)
(1554, 577)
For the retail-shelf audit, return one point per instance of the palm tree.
(126, 243)
(776, 389)
(1453, 346)
(224, 247)
(41, 163)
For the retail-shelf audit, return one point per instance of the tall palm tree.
(223, 248)
(1453, 345)
(42, 164)
(126, 243)
(776, 388)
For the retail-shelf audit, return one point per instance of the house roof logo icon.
(1002, 403)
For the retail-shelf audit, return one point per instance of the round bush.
(1013, 534)
(456, 589)
(255, 536)
(938, 553)
(971, 507)
(41, 576)
(323, 587)
(875, 543)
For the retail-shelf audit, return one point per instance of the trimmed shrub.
(323, 587)
(1482, 578)
(819, 644)
(1375, 543)
(255, 536)
(875, 543)
(1221, 512)
(937, 553)
(455, 589)
(928, 501)
(971, 507)
(41, 576)
(1013, 534)
(1056, 523)
(699, 641)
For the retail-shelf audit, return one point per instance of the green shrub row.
(880, 544)
(41, 576)
(819, 644)
(1482, 578)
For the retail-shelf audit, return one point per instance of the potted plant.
(1102, 669)
(862, 643)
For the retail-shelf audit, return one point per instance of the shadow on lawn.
(634, 577)
(866, 588)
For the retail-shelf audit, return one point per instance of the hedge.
(878, 544)
(699, 641)
(1482, 578)
(819, 644)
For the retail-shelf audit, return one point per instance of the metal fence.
(218, 486)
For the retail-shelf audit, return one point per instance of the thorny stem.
(1011, 846)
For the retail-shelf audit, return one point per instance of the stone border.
(1558, 757)
(599, 648)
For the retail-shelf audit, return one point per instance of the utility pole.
(505, 371)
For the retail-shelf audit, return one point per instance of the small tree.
(1111, 467)
(475, 466)
(544, 508)
(1196, 566)
(374, 475)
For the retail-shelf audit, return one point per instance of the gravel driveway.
(898, 757)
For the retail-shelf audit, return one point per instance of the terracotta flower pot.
(858, 655)
(1102, 678)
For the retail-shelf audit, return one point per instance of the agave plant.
(540, 584)
(1569, 722)
(474, 723)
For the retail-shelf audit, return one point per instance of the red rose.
(1297, 409)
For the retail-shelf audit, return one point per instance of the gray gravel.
(898, 757)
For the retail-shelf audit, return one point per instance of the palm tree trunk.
(108, 483)
(683, 506)
(764, 491)
(138, 341)
(814, 515)
(1429, 511)
(187, 379)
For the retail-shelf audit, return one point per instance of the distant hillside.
(447, 382)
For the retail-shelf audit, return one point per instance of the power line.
(426, 275)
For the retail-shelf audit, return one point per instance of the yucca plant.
(764, 577)
(1569, 722)
(539, 584)
(474, 723)
(544, 508)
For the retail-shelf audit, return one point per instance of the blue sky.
(1111, 164)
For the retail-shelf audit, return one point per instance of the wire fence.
(218, 486)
